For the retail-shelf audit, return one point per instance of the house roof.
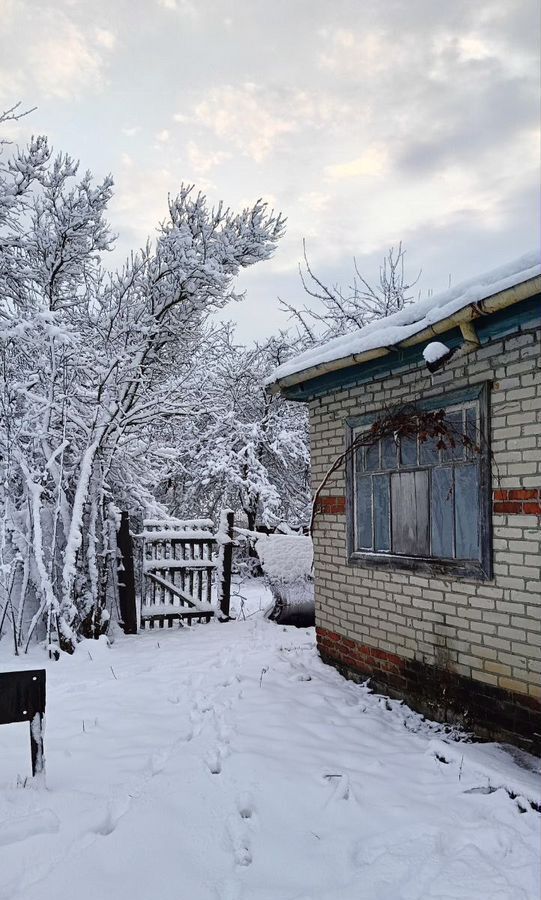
(417, 322)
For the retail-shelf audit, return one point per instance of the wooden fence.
(181, 563)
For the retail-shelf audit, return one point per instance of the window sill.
(443, 568)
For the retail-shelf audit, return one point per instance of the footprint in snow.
(156, 763)
(240, 841)
(245, 805)
(203, 704)
(115, 810)
(198, 713)
(213, 761)
(223, 731)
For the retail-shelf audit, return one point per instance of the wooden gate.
(180, 561)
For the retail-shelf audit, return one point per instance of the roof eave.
(491, 304)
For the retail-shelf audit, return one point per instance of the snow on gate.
(182, 559)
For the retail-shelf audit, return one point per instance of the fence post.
(126, 578)
(227, 564)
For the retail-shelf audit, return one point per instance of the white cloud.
(245, 116)
(57, 57)
(346, 52)
(105, 38)
(186, 7)
(66, 61)
(256, 119)
(315, 201)
(374, 161)
(163, 136)
(203, 162)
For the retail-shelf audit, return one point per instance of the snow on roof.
(414, 318)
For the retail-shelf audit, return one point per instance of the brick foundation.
(492, 713)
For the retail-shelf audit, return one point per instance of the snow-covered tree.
(245, 446)
(92, 365)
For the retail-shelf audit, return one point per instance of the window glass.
(363, 512)
(428, 451)
(371, 457)
(389, 453)
(471, 430)
(382, 539)
(408, 451)
(453, 421)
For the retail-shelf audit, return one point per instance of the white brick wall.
(488, 631)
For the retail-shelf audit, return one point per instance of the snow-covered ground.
(226, 762)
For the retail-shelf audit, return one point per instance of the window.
(421, 507)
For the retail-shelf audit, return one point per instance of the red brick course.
(331, 506)
(518, 502)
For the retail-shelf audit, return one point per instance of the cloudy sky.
(365, 121)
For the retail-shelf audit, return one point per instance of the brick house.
(428, 559)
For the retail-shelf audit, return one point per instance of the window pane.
(359, 460)
(453, 421)
(408, 451)
(442, 505)
(471, 430)
(389, 452)
(363, 512)
(428, 451)
(371, 459)
(467, 511)
(409, 497)
(382, 540)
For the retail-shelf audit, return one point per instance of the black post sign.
(227, 565)
(22, 699)
(126, 577)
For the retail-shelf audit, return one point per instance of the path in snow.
(226, 762)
